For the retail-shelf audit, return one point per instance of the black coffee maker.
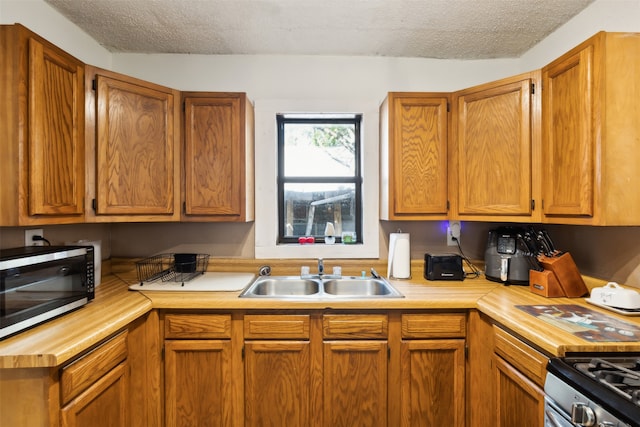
(507, 258)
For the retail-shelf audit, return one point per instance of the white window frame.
(266, 189)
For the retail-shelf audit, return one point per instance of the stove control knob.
(582, 415)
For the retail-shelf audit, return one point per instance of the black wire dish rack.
(178, 267)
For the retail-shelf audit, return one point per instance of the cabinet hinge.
(448, 107)
(94, 84)
(447, 205)
(242, 352)
(184, 208)
(389, 353)
(466, 352)
(533, 88)
(533, 205)
(162, 353)
(94, 205)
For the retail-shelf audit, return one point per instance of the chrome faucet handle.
(320, 266)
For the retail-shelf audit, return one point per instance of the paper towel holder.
(395, 271)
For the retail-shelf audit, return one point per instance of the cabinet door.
(277, 383)
(494, 150)
(56, 132)
(104, 404)
(136, 152)
(568, 142)
(519, 402)
(198, 383)
(355, 383)
(414, 159)
(216, 150)
(433, 383)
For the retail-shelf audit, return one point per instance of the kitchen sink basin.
(320, 287)
(354, 286)
(283, 286)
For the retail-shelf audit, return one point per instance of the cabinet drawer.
(276, 326)
(524, 358)
(191, 326)
(446, 325)
(355, 326)
(85, 371)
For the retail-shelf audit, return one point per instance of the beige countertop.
(115, 306)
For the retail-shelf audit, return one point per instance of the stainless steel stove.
(593, 390)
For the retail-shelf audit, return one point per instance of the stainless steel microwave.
(38, 283)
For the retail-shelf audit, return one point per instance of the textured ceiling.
(455, 29)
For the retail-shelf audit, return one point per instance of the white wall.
(45, 21)
(602, 15)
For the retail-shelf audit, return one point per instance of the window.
(319, 177)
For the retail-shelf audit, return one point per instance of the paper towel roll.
(399, 262)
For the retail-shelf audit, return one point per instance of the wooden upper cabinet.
(591, 131)
(42, 137)
(137, 154)
(495, 149)
(413, 156)
(218, 157)
(568, 135)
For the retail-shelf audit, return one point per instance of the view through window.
(319, 177)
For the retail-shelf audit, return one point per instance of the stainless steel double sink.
(315, 287)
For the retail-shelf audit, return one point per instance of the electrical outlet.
(28, 237)
(453, 230)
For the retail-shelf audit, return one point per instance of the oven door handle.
(552, 418)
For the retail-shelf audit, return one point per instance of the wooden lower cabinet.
(432, 369)
(197, 383)
(315, 368)
(355, 383)
(94, 389)
(519, 401)
(104, 404)
(433, 383)
(277, 383)
(198, 370)
(506, 377)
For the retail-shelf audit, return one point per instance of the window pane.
(319, 149)
(309, 207)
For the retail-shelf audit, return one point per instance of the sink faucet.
(320, 267)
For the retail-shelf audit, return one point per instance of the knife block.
(545, 283)
(567, 274)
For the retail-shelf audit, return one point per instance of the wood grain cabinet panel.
(42, 136)
(590, 133)
(519, 402)
(198, 380)
(433, 382)
(279, 384)
(194, 326)
(413, 156)
(523, 357)
(133, 149)
(218, 157)
(277, 326)
(434, 325)
(136, 148)
(355, 383)
(495, 148)
(85, 371)
(355, 326)
(104, 404)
